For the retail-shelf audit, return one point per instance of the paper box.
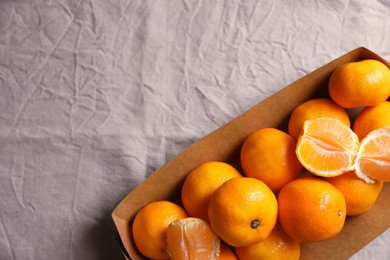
(224, 145)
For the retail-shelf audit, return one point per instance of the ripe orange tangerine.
(201, 183)
(226, 253)
(373, 158)
(277, 246)
(359, 195)
(243, 211)
(150, 227)
(371, 118)
(268, 154)
(327, 147)
(311, 209)
(192, 238)
(361, 83)
(312, 109)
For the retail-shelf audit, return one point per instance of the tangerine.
(371, 118)
(311, 209)
(277, 246)
(268, 154)
(150, 226)
(359, 195)
(243, 211)
(226, 253)
(312, 109)
(201, 183)
(361, 83)
(373, 158)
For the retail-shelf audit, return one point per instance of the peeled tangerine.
(329, 148)
(192, 238)
(373, 158)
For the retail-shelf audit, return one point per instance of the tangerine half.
(327, 147)
(373, 158)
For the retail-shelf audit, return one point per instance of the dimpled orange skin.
(150, 226)
(311, 209)
(268, 154)
(226, 253)
(277, 246)
(312, 109)
(371, 118)
(359, 195)
(243, 211)
(362, 83)
(200, 184)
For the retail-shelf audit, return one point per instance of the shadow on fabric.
(102, 241)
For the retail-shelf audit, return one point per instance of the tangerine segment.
(327, 147)
(192, 238)
(373, 158)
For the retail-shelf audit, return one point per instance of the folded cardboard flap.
(224, 144)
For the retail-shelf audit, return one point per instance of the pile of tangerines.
(294, 186)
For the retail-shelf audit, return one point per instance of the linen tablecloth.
(96, 95)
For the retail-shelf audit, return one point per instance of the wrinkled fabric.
(97, 95)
